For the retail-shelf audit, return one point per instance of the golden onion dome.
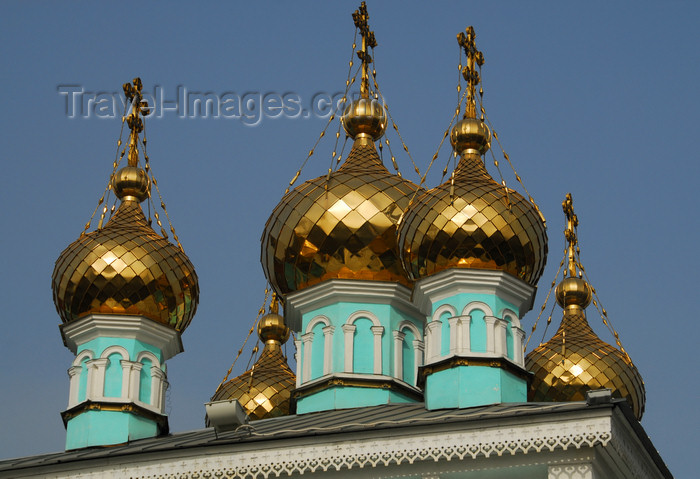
(126, 267)
(469, 224)
(343, 225)
(576, 360)
(265, 390)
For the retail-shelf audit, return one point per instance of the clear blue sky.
(597, 99)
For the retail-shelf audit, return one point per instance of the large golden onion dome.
(265, 390)
(474, 222)
(576, 360)
(126, 267)
(344, 225)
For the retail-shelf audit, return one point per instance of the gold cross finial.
(360, 17)
(570, 232)
(139, 107)
(470, 73)
(274, 304)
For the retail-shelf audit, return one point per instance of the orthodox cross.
(360, 17)
(570, 232)
(469, 72)
(139, 107)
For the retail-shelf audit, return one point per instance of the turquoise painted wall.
(469, 386)
(445, 333)
(101, 428)
(408, 363)
(318, 351)
(145, 381)
(345, 397)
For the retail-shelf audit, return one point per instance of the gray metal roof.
(389, 416)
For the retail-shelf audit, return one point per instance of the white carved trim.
(74, 381)
(298, 360)
(307, 340)
(318, 319)
(328, 332)
(348, 336)
(445, 308)
(148, 355)
(96, 378)
(474, 305)
(334, 291)
(84, 354)
(271, 459)
(115, 349)
(363, 314)
(510, 315)
(500, 345)
(94, 326)
(571, 471)
(377, 331)
(436, 287)
(398, 353)
(433, 340)
(414, 329)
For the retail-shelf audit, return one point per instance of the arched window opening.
(318, 351)
(477, 331)
(145, 381)
(363, 347)
(113, 376)
(408, 360)
(445, 333)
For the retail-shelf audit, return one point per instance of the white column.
(466, 335)
(518, 340)
(134, 381)
(127, 380)
(307, 340)
(96, 378)
(157, 379)
(348, 336)
(328, 349)
(455, 334)
(398, 353)
(297, 357)
(433, 332)
(571, 471)
(74, 375)
(500, 348)
(418, 348)
(377, 331)
(490, 334)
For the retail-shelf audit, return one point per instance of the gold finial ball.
(471, 136)
(131, 181)
(272, 327)
(573, 291)
(364, 117)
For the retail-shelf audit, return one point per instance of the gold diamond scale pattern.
(126, 268)
(343, 227)
(576, 360)
(473, 227)
(266, 389)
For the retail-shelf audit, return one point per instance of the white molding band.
(95, 326)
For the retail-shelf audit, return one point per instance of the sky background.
(595, 99)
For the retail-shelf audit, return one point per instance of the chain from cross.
(469, 72)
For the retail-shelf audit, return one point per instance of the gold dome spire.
(125, 267)
(342, 225)
(471, 221)
(576, 360)
(265, 390)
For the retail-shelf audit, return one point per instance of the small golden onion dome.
(576, 360)
(470, 136)
(265, 390)
(126, 267)
(470, 224)
(364, 117)
(573, 291)
(340, 227)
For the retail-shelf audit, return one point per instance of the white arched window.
(408, 352)
(363, 343)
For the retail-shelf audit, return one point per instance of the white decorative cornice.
(334, 291)
(449, 282)
(140, 328)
